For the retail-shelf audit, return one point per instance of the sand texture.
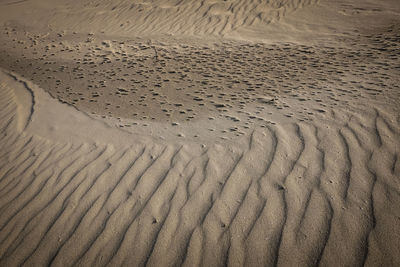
(199, 133)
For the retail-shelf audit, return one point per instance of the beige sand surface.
(199, 133)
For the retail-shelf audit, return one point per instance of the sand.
(199, 133)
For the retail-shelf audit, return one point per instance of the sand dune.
(165, 16)
(275, 20)
(300, 193)
(147, 133)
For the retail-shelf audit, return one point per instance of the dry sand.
(199, 133)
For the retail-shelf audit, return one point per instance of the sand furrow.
(67, 205)
(23, 188)
(42, 205)
(13, 175)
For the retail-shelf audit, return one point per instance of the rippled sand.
(199, 133)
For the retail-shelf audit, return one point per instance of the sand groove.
(290, 196)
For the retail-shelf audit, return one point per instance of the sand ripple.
(299, 193)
